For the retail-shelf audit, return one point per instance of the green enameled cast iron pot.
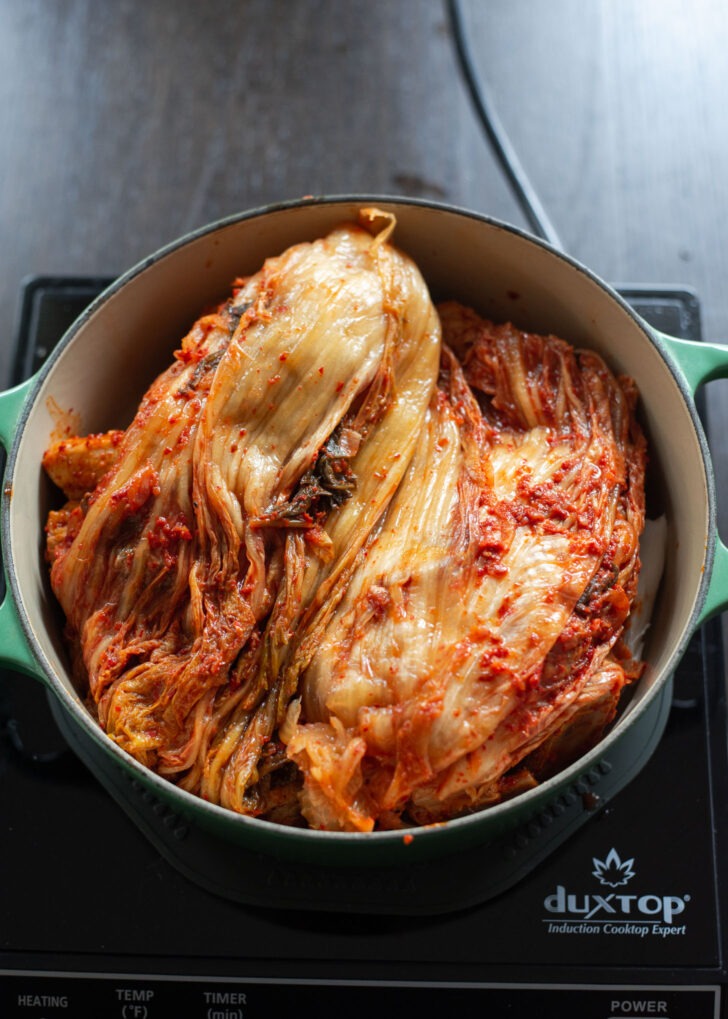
(109, 356)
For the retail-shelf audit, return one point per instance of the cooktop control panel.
(136, 997)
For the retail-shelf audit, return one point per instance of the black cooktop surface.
(625, 917)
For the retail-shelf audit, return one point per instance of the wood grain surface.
(125, 124)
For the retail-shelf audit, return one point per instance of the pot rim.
(307, 837)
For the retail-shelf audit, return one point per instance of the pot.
(105, 361)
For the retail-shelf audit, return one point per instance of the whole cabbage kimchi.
(358, 562)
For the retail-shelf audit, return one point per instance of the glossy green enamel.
(11, 406)
(14, 650)
(699, 363)
(716, 597)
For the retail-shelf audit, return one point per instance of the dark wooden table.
(125, 124)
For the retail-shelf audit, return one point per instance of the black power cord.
(510, 164)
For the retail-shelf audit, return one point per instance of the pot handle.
(700, 363)
(14, 651)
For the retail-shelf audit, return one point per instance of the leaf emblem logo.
(612, 872)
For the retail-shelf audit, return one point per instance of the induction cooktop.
(609, 904)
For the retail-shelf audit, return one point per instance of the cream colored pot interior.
(97, 378)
